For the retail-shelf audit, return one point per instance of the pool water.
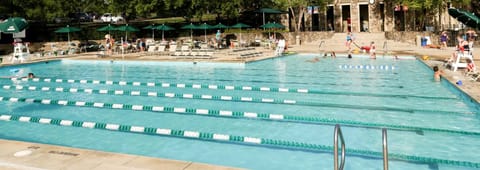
(271, 114)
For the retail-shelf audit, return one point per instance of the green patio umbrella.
(273, 25)
(13, 25)
(240, 26)
(220, 26)
(151, 27)
(268, 11)
(127, 28)
(108, 28)
(204, 27)
(68, 30)
(164, 28)
(465, 17)
(191, 27)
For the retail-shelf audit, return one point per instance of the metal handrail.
(336, 134)
(320, 47)
(385, 48)
(321, 43)
(385, 149)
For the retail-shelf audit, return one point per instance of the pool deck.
(57, 157)
(17, 155)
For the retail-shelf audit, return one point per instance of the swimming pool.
(271, 114)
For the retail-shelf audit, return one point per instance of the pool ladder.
(385, 48)
(338, 133)
(320, 47)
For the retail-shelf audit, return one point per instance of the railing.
(385, 149)
(337, 133)
(320, 48)
(321, 43)
(385, 48)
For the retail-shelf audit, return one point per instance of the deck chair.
(474, 74)
(150, 50)
(201, 53)
(194, 54)
(161, 49)
(185, 50)
(172, 50)
(475, 77)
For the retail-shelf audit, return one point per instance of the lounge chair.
(151, 49)
(172, 50)
(474, 74)
(161, 49)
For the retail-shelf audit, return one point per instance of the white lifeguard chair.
(20, 52)
(458, 61)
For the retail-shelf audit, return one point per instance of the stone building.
(372, 16)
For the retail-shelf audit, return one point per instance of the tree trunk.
(301, 13)
(293, 17)
(297, 17)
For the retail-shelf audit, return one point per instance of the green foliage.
(46, 10)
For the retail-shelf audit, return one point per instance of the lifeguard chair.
(20, 52)
(458, 60)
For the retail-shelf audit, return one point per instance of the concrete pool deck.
(41, 156)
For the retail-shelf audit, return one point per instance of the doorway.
(315, 22)
(382, 16)
(399, 18)
(346, 20)
(364, 17)
(330, 19)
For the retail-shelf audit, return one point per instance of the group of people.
(109, 42)
(463, 48)
(139, 44)
(371, 49)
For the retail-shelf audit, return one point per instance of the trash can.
(424, 42)
(297, 40)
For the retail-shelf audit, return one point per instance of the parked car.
(108, 17)
(62, 20)
(80, 17)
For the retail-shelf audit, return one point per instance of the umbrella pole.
(205, 35)
(163, 38)
(123, 49)
(68, 38)
(263, 20)
(240, 35)
(153, 35)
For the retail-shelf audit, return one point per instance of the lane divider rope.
(223, 98)
(229, 113)
(367, 67)
(158, 94)
(208, 136)
(222, 87)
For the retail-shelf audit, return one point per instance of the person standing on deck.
(373, 55)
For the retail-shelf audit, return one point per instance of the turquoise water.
(445, 126)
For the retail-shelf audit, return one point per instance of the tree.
(298, 9)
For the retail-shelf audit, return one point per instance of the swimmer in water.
(437, 73)
(314, 60)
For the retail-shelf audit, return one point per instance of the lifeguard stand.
(458, 61)
(20, 52)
